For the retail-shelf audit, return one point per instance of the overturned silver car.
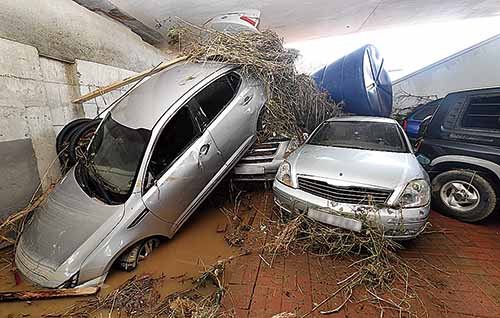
(156, 155)
(351, 163)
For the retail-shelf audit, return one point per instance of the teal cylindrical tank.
(360, 81)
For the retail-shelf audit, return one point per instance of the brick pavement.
(460, 260)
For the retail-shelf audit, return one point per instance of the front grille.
(261, 153)
(350, 195)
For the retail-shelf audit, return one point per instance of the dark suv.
(461, 151)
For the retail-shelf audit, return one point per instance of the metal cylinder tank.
(360, 81)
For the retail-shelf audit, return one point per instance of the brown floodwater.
(196, 245)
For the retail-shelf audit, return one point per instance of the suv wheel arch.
(467, 162)
(482, 170)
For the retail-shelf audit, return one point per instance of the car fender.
(491, 166)
(122, 237)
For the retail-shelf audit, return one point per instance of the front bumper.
(36, 272)
(397, 224)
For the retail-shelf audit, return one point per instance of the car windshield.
(113, 160)
(365, 135)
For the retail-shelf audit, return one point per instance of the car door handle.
(204, 149)
(247, 100)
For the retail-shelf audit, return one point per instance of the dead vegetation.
(376, 273)
(139, 297)
(294, 104)
(375, 265)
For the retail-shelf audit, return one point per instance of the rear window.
(482, 113)
(426, 110)
(360, 135)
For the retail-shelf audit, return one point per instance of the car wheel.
(464, 195)
(65, 133)
(80, 140)
(129, 260)
(63, 138)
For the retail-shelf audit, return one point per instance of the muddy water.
(195, 245)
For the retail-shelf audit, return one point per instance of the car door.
(183, 161)
(230, 106)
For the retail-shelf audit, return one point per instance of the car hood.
(378, 169)
(67, 227)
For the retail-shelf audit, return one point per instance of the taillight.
(249, 20)
(405, 124)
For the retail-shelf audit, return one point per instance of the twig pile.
(136, 297)
(193, 303)
(294, 105)
(377, 272)
(139, 297)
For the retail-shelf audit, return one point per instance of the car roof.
(146, 103)
(365, 119)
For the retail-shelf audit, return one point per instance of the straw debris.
(139, 297)
(294, 104)
(376, 267)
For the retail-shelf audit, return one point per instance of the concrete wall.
(51, 53)
(65, 30)
(92, 76)
(35, 103)
(26, 136)
(475, 67)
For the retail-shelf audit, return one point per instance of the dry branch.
(47, 293)
(111, 87)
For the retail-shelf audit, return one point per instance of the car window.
(425, 111)
(217, 95)
(177, 135)
(482, 113)
(360, 135)
(114, 158)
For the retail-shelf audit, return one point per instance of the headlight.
(416, 194)
(284, 174)
(72, 282)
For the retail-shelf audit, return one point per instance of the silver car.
(349, 164)
(157, 154)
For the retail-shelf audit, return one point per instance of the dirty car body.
(157, 154)
(349, 164)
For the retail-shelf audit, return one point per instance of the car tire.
(65, 134)
(129, 260)
(80, 139)
(464, 195)
(62, 141)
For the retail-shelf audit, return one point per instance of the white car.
(350, 163)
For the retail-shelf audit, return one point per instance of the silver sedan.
(156, 155)
(350, 164)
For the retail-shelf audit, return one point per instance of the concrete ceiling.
(299, 20)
